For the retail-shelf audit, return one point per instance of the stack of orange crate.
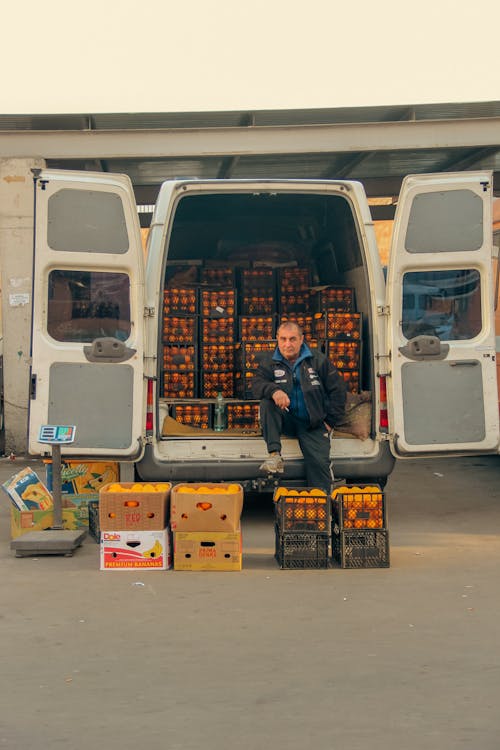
(340, 328)
(218, 328)
(180, 335)
(360, 533)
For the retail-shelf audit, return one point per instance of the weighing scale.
(56, 540)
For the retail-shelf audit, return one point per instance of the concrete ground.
(382, 659)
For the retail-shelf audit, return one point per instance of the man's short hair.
(290, 324)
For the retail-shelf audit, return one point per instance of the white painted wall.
(16, 251)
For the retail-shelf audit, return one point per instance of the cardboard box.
(196, 511)
(82, 480)
(27, 492)
(207, 550)
(132, 550)
(22, 521)
(133, 511)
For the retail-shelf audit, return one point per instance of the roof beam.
(247, 141)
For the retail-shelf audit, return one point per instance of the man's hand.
(281, 399)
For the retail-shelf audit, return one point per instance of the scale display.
(57, 434)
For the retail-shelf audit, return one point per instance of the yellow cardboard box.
(22, 521)
(208, 550)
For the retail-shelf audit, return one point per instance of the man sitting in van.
(303, 396)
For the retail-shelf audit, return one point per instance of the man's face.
(289, 342)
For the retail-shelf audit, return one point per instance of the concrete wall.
(16, 252)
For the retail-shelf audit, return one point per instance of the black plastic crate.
(306, 509)
(294, 278)
(361, 549)
(94, 526)
(180, 301)
(193, 413)
(217, 357)
(359, 507)
(213, 382)
(257, 280)
(180, 358)
(351, 379)
(247, 354)
(180, 384)
(217, 275)
(243, 415)
(344, 355)
(342, 326)
(338, 298)
(182, 273)
(243, 384)
(256, 327)
(301, 551)
(257, 302)
(180, 329)
(218, 330)
(218, 302)
(295, 302)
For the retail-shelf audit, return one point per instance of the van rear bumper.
(246, 472)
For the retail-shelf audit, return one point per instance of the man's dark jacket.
(323, 388)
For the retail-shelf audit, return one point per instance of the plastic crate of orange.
(256, 327)
(359, 507)
(180, 384)
(195, 414)
(217, 275)
(256, 280)
(351, 380)
(179, 358)
(339, 325)
(306, 509)
(214, 382)
(339, 298)
(180, 300)
(257, 302)
(180, 329)
(217, 330)
(217, 357)
(344, 355)
(243, 416)
(218, 303)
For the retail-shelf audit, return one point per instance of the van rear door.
(441, 337)
(88, 313)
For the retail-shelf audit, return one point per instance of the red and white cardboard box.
(133, 550)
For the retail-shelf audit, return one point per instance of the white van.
(102, 335)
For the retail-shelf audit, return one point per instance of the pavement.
(381, 659)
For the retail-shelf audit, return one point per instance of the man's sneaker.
(273, 464)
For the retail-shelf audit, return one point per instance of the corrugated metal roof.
(372, 167)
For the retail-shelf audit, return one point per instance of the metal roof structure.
(375, 145)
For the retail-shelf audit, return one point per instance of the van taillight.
(149, 407)
(383, 417)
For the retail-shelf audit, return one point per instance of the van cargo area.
(236, 265)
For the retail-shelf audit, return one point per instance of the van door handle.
(108, 349)
(425, 347)
(464, 363)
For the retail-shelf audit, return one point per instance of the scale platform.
(48, 542)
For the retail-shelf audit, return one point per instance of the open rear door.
(441, 338)
(88, 313)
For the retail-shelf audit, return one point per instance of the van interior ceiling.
(238, 232)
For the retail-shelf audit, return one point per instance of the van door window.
(445, 220)
(84, 305)
(446, 304)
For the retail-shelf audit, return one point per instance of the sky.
(197, 55)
